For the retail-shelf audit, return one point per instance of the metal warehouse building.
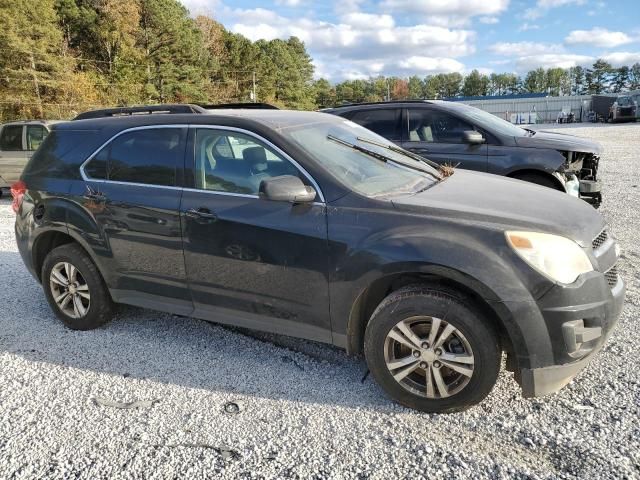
(537, 107)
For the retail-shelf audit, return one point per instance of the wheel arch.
(517, 174)
(452, 281)
(47, 241)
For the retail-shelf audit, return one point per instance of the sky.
(350, 39)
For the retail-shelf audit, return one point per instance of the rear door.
(437, 135)
(253, 262)
(383, 121)
(13, 156)
(133, 189)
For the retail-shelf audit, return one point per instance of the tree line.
(601, 77)
(61, 57)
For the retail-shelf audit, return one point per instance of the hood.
(506, 203)
(559, 141)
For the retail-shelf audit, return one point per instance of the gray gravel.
(148, 395)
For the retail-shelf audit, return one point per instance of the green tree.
(171, 45)
(34, 71)
(558, 81)
(599, 76)
(475, 84)
(416, 87)
(535, 81)
(578, 80)
(634, 77)
(621, 78)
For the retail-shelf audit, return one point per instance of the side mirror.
(286, 188)
(472, 137)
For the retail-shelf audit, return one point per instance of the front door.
(253, 262)
(132, 189)
(437, 135)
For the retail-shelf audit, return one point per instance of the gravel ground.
(303, 410)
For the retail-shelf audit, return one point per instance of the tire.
(420, 307)
(538, 179)
(92, 312)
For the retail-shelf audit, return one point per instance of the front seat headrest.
(256, 157)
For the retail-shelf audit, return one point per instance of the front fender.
(448, 251)
(507, 160)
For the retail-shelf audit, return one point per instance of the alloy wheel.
(69, 290)
(429, 357)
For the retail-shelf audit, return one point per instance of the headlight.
(559, 258)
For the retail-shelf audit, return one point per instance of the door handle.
(201, 214)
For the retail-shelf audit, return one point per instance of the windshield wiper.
(401, 151)
(381, 157)
(366, 151)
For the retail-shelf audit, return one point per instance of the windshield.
(341, 147)
(491, 122)
(624, 101)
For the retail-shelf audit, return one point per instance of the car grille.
(612, 276)
(600, 239)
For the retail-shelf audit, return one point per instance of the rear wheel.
(431, 350)
(74, 288)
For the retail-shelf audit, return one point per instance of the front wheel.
(74, 288)
(431, 350)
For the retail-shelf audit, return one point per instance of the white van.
(18, 141)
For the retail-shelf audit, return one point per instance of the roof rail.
(140, 110)
(257, 106)
(385, 102)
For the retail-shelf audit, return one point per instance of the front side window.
(432, 126)
(385, 122)
(11, 138)
(236, 163)
(35, 136)
(148, 156)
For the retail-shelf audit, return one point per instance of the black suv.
(303, 224)
(457, 134)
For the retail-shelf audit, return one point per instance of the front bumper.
(587, 190)
(579, 320)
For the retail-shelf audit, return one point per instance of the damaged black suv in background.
(308, 225)
(459, 135)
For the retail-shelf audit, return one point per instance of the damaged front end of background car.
(574, 161)
(580, 176)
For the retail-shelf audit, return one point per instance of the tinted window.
(11, 138)
(435, 127)
(385, 122)
(35, 136)
(236, 163)
(150, 156)
(62, 153)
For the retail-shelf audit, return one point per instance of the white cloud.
(524, 49)
(289, 3)
(367, 21)
(362, 44)
(618, 59)
(528, 26)
(489, 20)
(599, 37)
(543, 6)
(552, 60)
(451, 13)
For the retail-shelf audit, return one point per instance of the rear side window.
(11, 138)
(61, 154)
(35, 136)
(385, 122)
(149, 156)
